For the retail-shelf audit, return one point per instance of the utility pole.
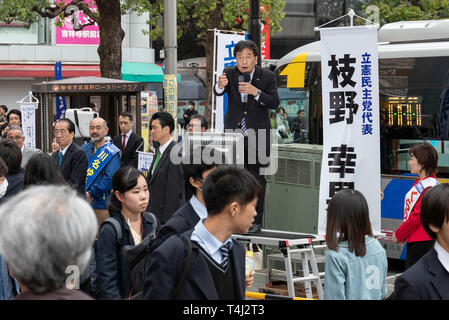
(254, 26)
(171, 60)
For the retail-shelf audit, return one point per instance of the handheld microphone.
(244, 78)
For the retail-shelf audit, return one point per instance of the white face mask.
(3, 188)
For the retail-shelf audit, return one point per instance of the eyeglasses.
(15, 137)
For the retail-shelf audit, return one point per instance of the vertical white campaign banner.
(28, 110)
(351, 143)
(224, 44)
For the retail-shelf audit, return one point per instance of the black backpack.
(89, 279)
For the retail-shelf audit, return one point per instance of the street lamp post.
(254, 27)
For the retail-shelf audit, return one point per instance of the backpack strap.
(117, 228)
(186, 269)
(153, 220)
(151, 235)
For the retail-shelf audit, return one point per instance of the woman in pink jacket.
(423, 162)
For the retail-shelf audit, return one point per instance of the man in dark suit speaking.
(251, 93)
(128, 142)
(70, 158)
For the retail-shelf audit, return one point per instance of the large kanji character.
(343, 160)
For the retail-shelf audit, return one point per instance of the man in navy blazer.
(70, 158)
(216, 268)
(428, 278)
(259, 88)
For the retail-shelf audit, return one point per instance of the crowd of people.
(69, 217)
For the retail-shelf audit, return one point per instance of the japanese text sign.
(351, 143)
(28, 110)
(89, 35)
(224, 51)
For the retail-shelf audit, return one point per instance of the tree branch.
(51, 13)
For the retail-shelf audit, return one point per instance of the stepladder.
(297, 253)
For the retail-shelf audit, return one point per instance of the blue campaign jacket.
(100, 188)
(348, 277)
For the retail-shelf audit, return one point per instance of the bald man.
(104, 160)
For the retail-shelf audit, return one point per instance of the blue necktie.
(60, 158)
(225, 249)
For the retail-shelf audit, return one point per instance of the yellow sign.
(171, 96)
(295, 71)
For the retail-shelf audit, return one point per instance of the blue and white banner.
(351, 142)
(144, 162)
(224, 44)
(61, 105)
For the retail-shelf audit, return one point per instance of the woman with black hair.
(127, 204)
(356, 263)
(42, 169)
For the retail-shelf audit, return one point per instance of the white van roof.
(416, 33)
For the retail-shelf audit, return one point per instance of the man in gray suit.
(15, 133)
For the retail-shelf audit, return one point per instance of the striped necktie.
(243, 125)
(225, 249)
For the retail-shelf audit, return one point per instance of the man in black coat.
(428, 278)
(128, 142)
(252, 92)
(165, 178)
(70, 158)
(188, 215)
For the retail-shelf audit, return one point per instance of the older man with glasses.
(15, 133)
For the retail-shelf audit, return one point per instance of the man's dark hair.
(246, 44)
(165, 118)
(204, 123)
(227, 184)
(4, 107)
(435, 208)
(191, 103)
(14, 111)
(11, 154)
(195, 170)
(3, 168)
(127, 114)
(70, 124)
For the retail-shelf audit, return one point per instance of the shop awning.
(48, 70)
(143, 72)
